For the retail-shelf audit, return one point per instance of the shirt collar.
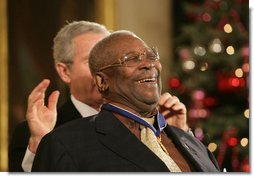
(84, 109)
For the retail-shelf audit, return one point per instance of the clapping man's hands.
(41, 118)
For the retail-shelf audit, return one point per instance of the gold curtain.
(105, 13)
(3, 87)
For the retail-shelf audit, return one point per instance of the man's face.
(82, 86)
(137, 86)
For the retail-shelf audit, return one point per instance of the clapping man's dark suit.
(19, 142)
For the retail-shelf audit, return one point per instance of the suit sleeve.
(53, 156)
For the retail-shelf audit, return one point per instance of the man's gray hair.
(63, 49)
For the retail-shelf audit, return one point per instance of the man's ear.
(101, 80)
(63, 71)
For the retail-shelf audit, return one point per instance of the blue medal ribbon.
(160, 118)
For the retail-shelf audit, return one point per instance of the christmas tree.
(211, 75)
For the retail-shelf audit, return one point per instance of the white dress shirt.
(82, 108)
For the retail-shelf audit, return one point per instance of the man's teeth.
(147, 80)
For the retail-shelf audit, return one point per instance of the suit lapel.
(193, 150)
(66, 113)
(113, 134)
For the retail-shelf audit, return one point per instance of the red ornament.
(232, 142)
(174, 83)
(236, 82)
(227, 83)
(246, 67)
(245, 166)
(206, 17)
(245, 51)
(185, 54)
(210, 101)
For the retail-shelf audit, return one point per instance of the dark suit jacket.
(20, 137)
(102, 143)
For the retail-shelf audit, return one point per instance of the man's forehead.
(128, 37)
(129, 43)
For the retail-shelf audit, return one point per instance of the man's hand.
(174, 111)
(41, 118)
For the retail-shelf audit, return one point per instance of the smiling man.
(129, 134)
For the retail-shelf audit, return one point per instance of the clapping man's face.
(81, 83)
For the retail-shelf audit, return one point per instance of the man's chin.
(151, 99)
(99, 100)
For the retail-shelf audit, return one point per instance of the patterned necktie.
(154, 144)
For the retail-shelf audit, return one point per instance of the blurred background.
(204, 49)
